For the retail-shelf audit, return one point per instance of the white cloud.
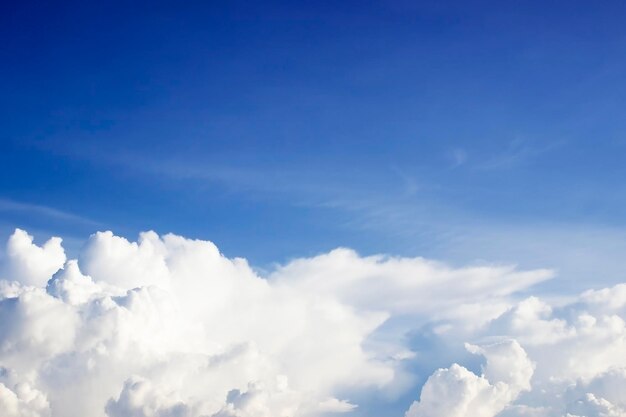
(140, 399)
(591, 406)
(28, 263)
(22, 401)
(71, 286)
(457, 392)
(579, 353)
(403, 285)
(168, 326)
(163, 317)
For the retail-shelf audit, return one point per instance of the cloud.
(403, 285)
(457, 156)
(578, 350)
(49, 213)
(140, 399)
(28, 263)
(457, 392)
(168, 326)
(591, 406)
(23, 401)
(517, 152)
(133, 324)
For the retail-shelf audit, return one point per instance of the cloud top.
(169, 327)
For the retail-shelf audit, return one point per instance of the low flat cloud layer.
(169, 327)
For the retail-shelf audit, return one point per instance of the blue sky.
(463, 131)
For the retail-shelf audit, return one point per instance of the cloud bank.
(169, 327)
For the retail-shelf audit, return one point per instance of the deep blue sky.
(463, 131)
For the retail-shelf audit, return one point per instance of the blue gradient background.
(463, 131)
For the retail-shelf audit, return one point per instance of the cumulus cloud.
(130, 326)
(28, 263)
(457, 392)
(578, 349)
(169, 327)
(403, 285)
(140, 399)
(22, 401)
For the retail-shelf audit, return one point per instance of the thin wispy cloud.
(518, 152)
(9, 205)
(458, 156)
(411, 216)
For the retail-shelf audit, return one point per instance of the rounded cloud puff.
(168, 326)
(31, 264)
(457, 392)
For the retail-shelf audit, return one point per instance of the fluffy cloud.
(168, 326)
(578, 348)
(140, 399)
(403, 285)
(131, 326)
(22, 401)
(457, 392)
(28, 263)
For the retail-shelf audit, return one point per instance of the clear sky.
(462, 131)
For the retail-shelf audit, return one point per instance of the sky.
(475, 140)
(457, 130)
